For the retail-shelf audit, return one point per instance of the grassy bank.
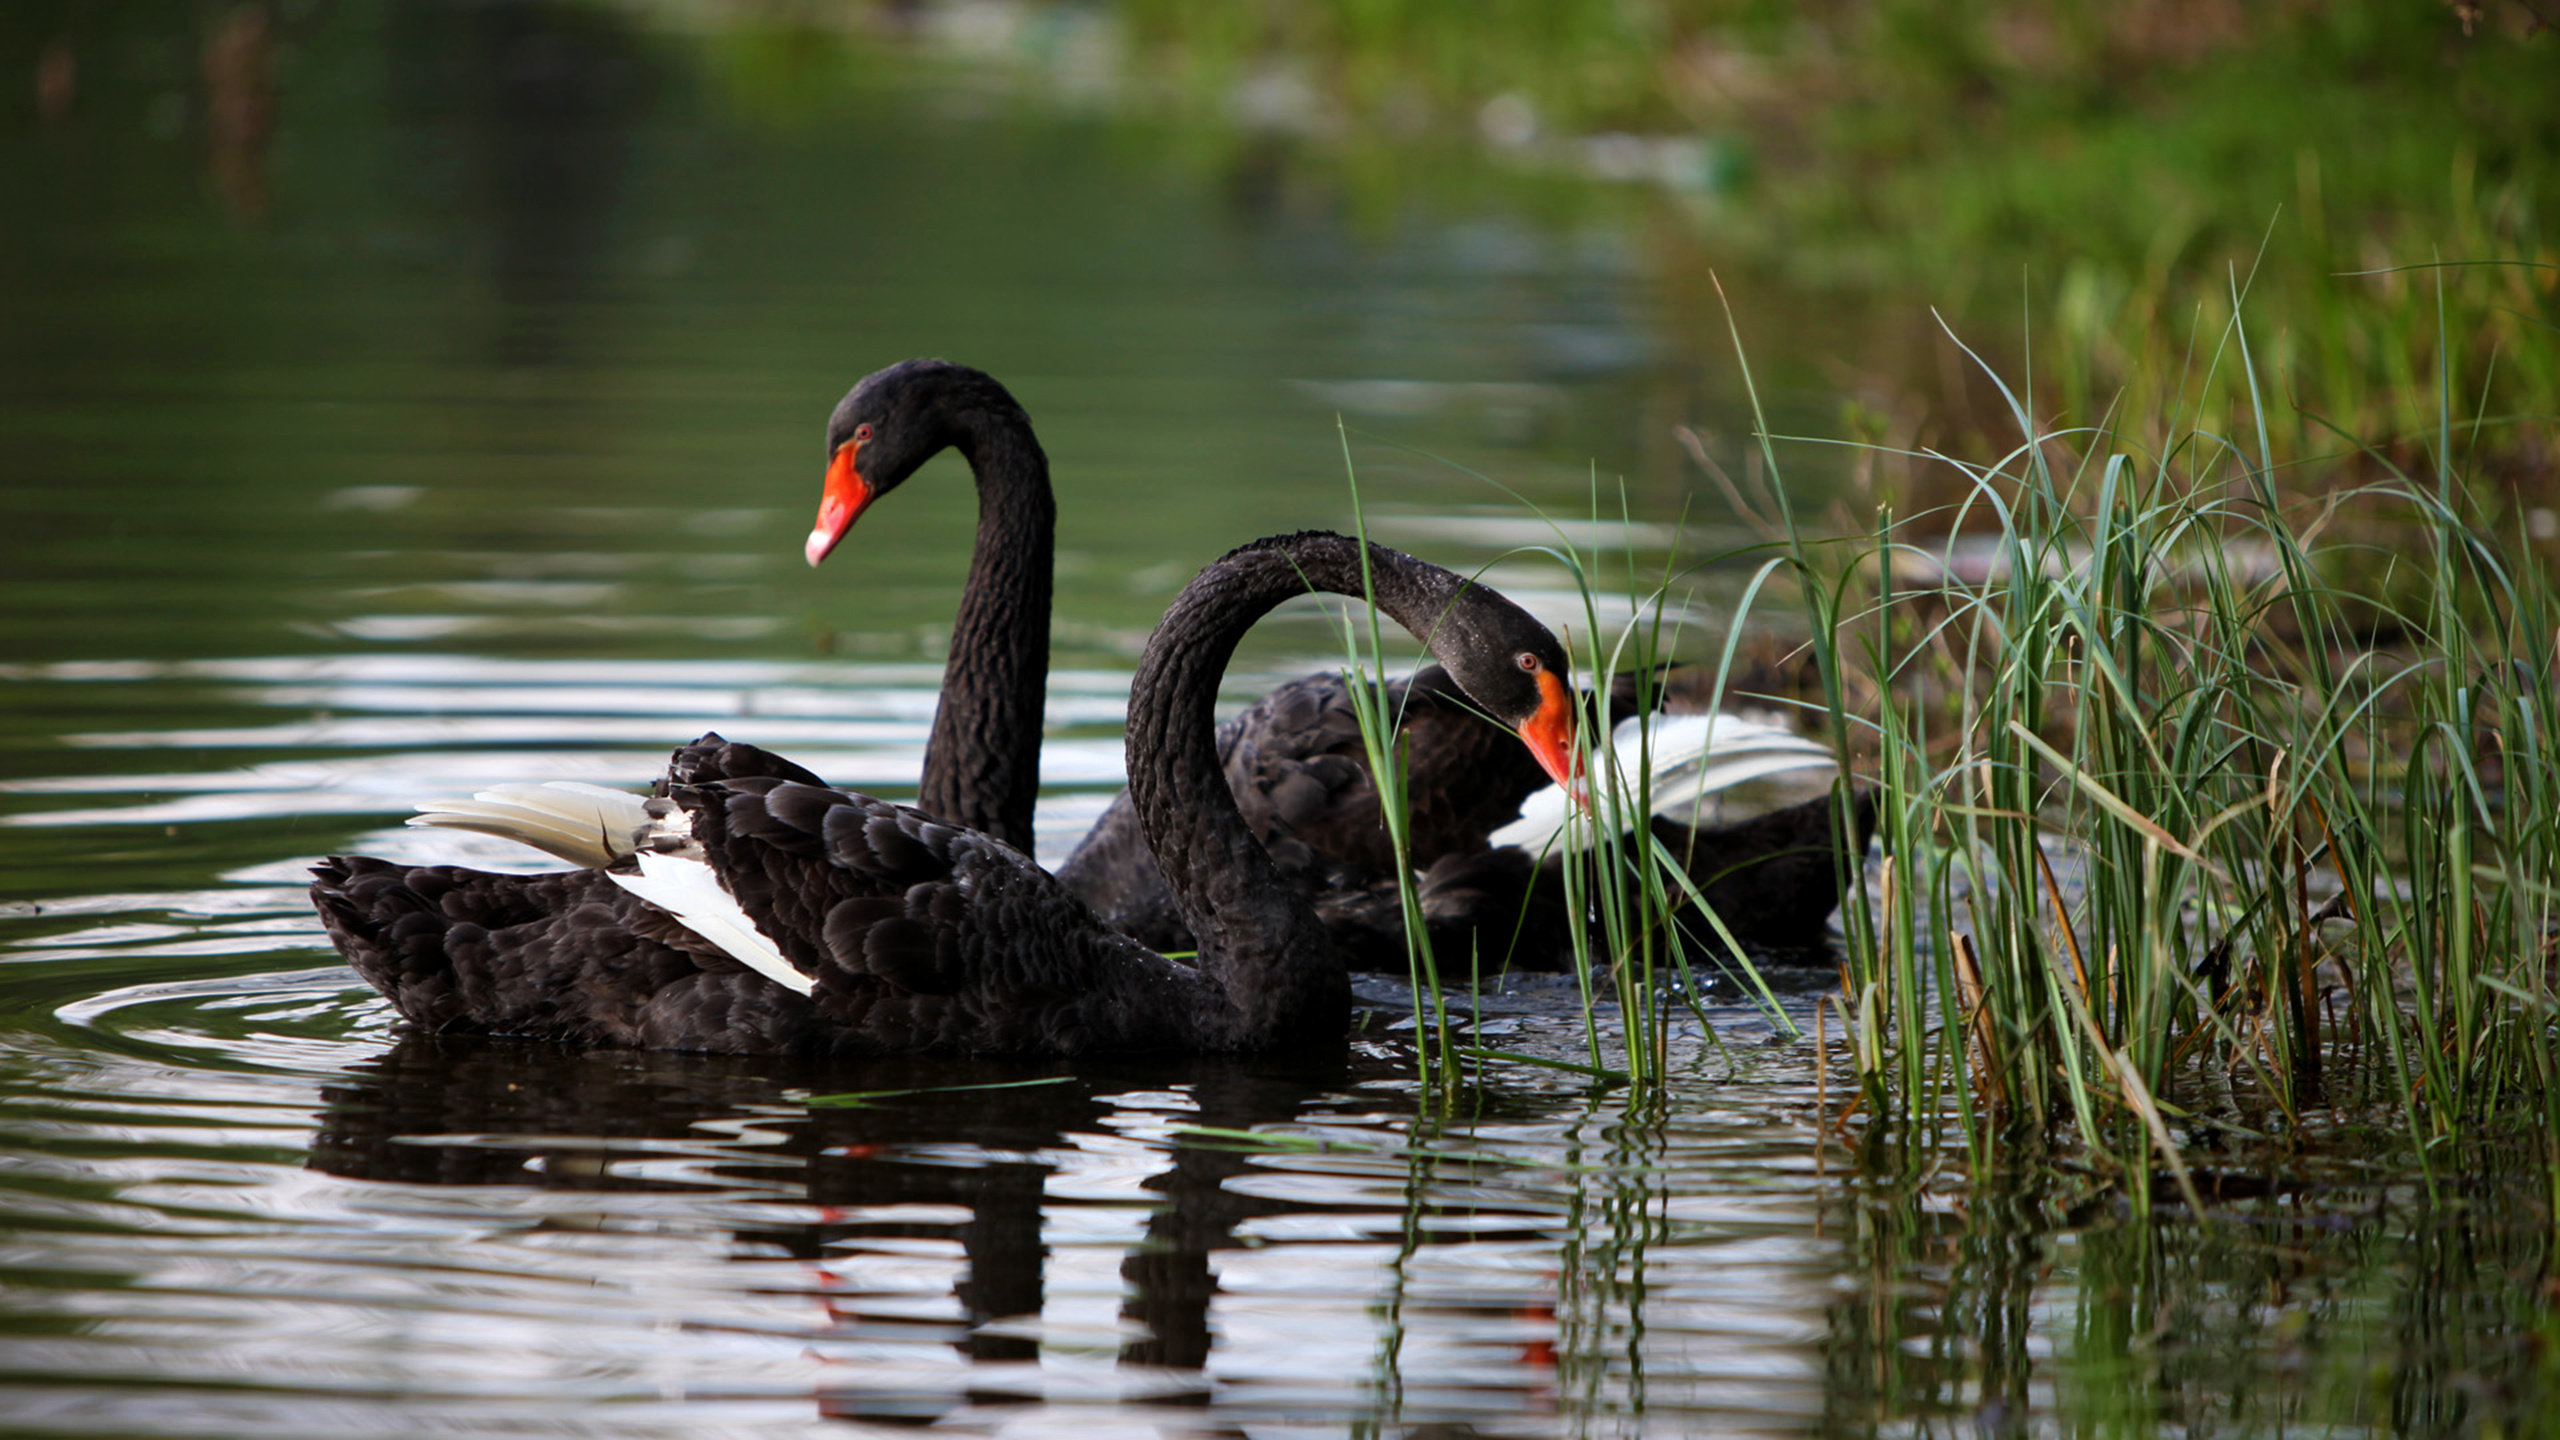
(2113, 173)
(2106, 165)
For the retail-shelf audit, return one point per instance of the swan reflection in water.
(977, 1179)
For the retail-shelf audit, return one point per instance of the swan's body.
(1488, 827)
(914, 934)
(1295, 761)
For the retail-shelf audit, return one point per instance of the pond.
(456, 417)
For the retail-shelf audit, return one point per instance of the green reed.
(2215, 804)
(1635, 892)
(1365, 677)
(1635, 957)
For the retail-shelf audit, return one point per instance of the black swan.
(982, 760)
(786, 917)
(1295, 761)
(1490, 884)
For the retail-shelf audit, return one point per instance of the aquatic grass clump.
(1654, 938)
(1364, 672)
(1643, 937)
(2219, 807)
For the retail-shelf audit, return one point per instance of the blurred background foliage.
(2104, 177)
(2078, 190)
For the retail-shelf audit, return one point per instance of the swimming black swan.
(982, 760)
(1295, 761)
(781, 916)
(1489, 884)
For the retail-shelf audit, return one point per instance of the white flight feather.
(1694, 756)
(594, 827)
(589, 826)
(689, 891)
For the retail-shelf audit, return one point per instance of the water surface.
(461, 426)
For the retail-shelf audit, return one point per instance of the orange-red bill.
(847, 494)
(1549, 732)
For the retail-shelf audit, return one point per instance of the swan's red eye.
(1528, 662)
(861, 432)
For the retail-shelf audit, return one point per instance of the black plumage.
(1300, 775)
(1299, 772)
(1295, 759)
(916, 934)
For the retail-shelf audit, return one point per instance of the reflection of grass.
(855, 1099)
(1425, 1146)
(2316, 878)
(2325, 1303)
(1600, 1075)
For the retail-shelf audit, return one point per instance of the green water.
(462, 426)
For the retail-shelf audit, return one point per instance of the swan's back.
(913, 934)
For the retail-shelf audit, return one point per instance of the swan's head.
(889, 425)
(1516, 669)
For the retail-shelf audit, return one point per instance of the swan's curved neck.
(982, 763)
(1258, 938)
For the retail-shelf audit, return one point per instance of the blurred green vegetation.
(2091, 167)
(2081, 171)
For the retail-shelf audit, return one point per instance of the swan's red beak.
(846, 496)
(1549, 732)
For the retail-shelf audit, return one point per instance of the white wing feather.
(589, 826)
(1693, 757)
(594, 827)
(687, 889)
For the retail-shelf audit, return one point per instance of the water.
(462, 425)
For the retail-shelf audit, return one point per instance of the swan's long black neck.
(982, 763)
(1257, 937)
